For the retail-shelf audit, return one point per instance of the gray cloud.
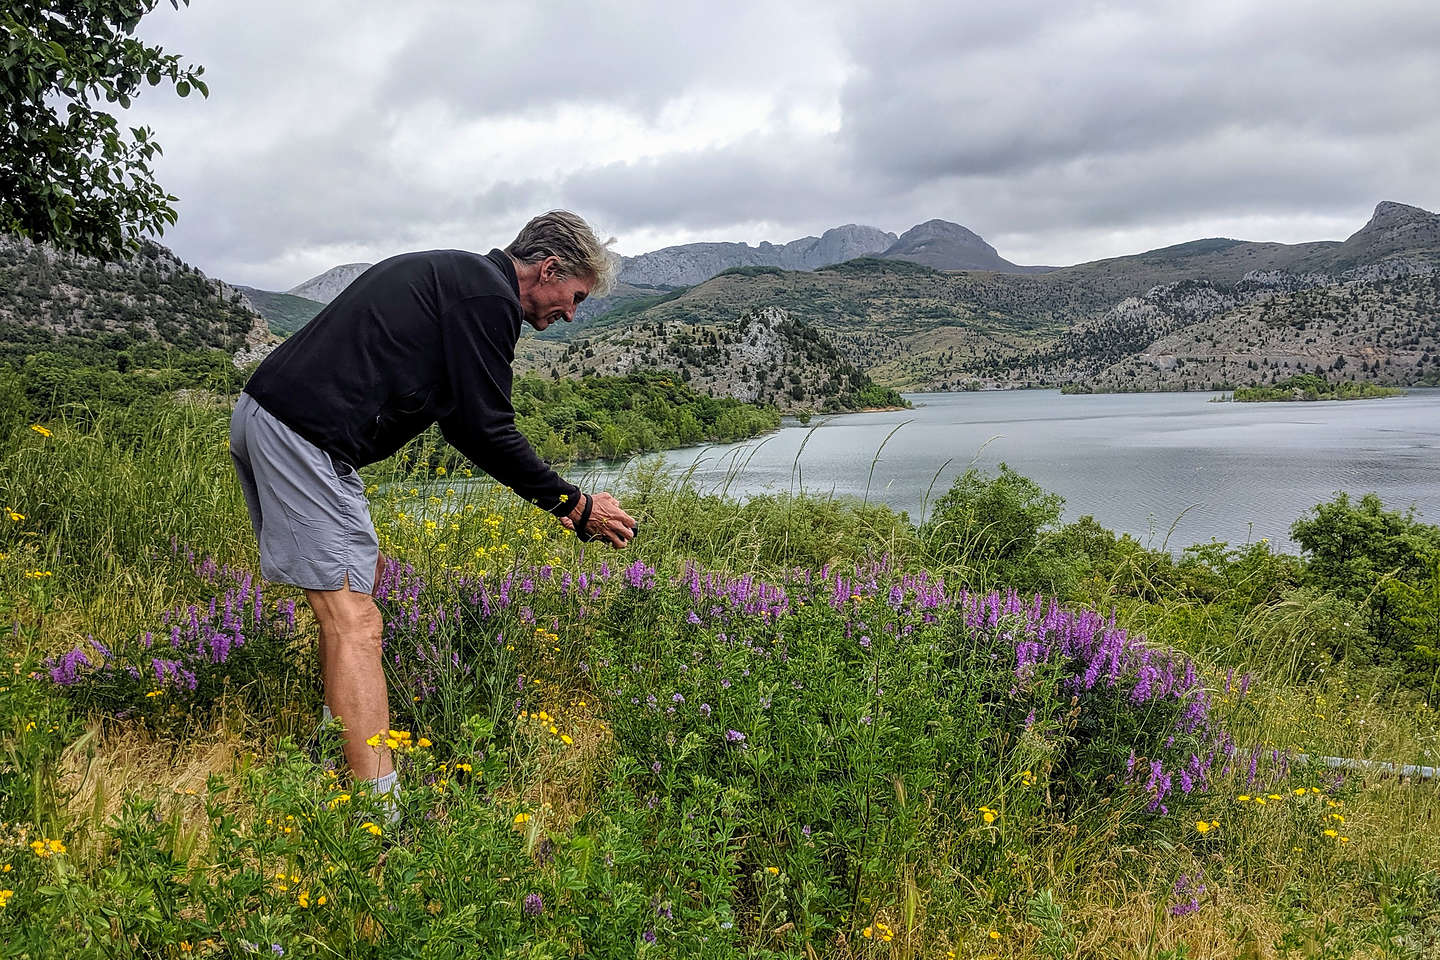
(1060, 131)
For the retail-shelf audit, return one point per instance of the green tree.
(1364, 553)
(997, 528)
(68, 174)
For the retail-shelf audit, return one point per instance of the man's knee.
(346, 616)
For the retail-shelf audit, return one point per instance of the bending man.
(417, 339)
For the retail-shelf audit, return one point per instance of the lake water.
(1156, 465)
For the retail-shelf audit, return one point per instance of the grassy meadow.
(794, 726)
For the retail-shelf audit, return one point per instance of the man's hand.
(608, 523)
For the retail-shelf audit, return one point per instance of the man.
(417, 339)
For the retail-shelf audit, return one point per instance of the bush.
(994, 529)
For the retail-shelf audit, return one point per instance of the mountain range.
(1206, 314)
(935, 243)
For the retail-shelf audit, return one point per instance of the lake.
(1163, 466)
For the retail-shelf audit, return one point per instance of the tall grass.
(899, 786)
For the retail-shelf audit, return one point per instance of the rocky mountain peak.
(692, 263)
(1389, 214)
(328, 285)
(947, 246)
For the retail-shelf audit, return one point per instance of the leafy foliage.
(1387, 563)
(1309, 386)
(619, 416)
(998, 525)
(67, 173)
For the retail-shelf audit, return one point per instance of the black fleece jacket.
(417, 339)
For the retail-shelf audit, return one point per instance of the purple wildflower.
(534, 905)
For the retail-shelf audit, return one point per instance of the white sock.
(387, 788)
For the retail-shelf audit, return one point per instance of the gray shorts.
(309, 511)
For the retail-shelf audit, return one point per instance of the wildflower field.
(790, 727)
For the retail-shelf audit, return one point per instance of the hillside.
(763, 356)
(51, 300)
(1375, 331)
(284, 312)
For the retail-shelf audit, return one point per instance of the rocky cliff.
(692, 263)
(327, 286)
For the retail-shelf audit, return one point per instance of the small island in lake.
(1311, 386)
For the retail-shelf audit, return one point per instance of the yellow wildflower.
(1299, 791)
(39, 429)
(565, 739)
(1332, 833)
(5, 896)
(17, 517)
(773, 871)
(520, 818)
(372, 827)
(994, 934)
(423, 742)
(1202, 826)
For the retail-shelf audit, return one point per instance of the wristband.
(580, 531)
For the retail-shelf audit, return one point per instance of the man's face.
(555, 297)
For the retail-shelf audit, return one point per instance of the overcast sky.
(1060, 130)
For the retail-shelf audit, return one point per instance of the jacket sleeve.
(478, 335)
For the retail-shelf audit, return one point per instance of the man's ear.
(550, 269)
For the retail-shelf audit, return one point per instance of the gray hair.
(567, 237)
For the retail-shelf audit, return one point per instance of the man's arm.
(479, 341)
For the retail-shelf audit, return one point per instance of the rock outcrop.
(328, 285)
(691, 263)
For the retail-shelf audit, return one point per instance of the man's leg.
(354, 677)
(324, 644)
